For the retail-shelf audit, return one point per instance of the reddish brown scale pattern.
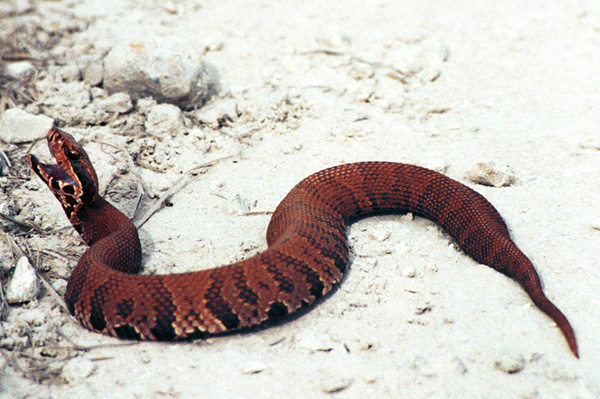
(306, 258)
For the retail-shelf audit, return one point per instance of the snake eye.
(73, 155)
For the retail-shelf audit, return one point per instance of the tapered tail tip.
(573, 346)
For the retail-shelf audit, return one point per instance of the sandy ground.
(439, 84)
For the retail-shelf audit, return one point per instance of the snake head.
(72, 179)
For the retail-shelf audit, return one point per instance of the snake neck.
(112, 237)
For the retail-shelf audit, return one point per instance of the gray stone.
(118, 103)
(93, 73)
(169, 69)
(60, 285)
(165, 119)
(24, 285)
(18, 126)
(487, 174)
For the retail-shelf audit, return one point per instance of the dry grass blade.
(5, 164)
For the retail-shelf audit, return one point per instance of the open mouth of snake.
(50, 173)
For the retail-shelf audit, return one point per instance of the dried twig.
(399, 74)
(177, 186)
(21, 224)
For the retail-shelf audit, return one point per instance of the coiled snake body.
(306, 257)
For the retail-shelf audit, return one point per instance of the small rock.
(98, 93)
(252, 367)
(145, 105)
(24, 285)
(60, 285)
(215, 45)
(93, 73)
(218, 114)
(78, 368)
(315, 342)
(145, 357)
(380, 235)
(197, 133)
(487, 174)
(169, 69)
(333, 384)
(34, 317)
(170, 7)
(18, 126)
(409, 271)
(70, 73)
(510, 363)
(165, 119)
(423, 364)
(18, 69)
(437, 164)
(452, 367)
(22, 6)
(119, 103)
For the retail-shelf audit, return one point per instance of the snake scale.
(307, 251)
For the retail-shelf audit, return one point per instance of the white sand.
(503, 81)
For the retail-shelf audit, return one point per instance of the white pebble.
(452, 367)
(18, 69)
(335, 384)
(78, 368)
(18, 126)
(315, 342)
(60, 285)
(437, 164)
(118, 103)
(423, 364)
(70, 73)
(380, 235)
(252, 367)
(22, 6)
(165, 119)
(169, 69)
(24, 285)
(487, 174)
(409, 271)
(510, 363)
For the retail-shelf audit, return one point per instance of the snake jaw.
(72, 179)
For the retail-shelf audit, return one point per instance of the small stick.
(179, 184)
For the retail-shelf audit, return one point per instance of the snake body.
(307, 251)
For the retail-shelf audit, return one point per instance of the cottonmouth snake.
(306, 257)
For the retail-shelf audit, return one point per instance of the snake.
(306, 257)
